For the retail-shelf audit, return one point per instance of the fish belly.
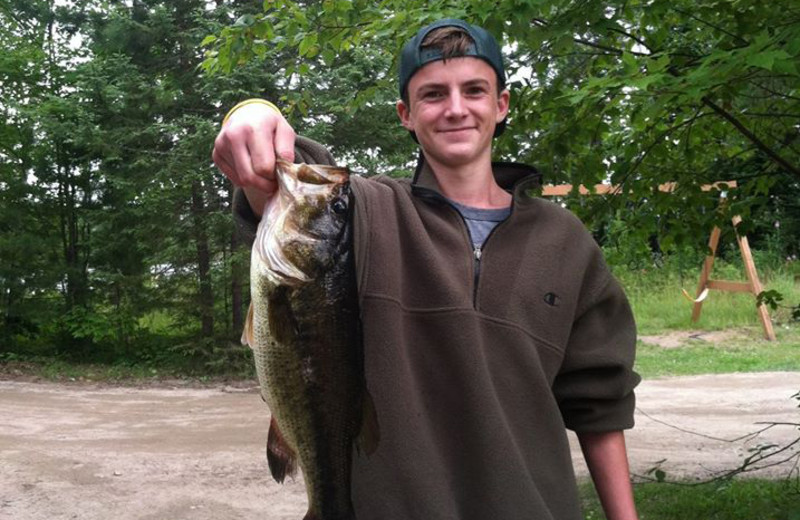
(312, 376)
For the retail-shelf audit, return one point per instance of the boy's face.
(453, 107)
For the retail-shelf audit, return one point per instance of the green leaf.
(766, 59)
(787, 66)
(630, 61)
(645, 81)
(658, 64)
(307, 44)
(245, 21)
(328, 56)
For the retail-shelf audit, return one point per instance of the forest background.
(117, 243)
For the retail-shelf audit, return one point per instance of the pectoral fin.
(281, 458)
(247, 332)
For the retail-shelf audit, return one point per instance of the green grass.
(662, 310)
(659, 304)
(747, 351)
(53, 369)
(50, 368)
(746, 499)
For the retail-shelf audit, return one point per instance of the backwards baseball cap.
(414, 56)
(484, 46)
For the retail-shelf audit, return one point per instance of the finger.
(239, 156)
(219, 155)
(284, 140)
(224, 166)
(262, 152)
(241, 152)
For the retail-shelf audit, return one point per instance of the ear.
(404, 112)
(503, 100)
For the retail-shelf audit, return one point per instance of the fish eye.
(339, 207)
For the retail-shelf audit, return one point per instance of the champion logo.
(551, 299)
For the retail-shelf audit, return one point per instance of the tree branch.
(659, 139)
(787, 96)
(770, 114)
(613, 50)
(539, 22)
(772, 154)
(720, 29)
(632, 37)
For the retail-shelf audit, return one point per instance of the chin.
(454, 160)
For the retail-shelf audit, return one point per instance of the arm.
(252, 136)
(607, 460)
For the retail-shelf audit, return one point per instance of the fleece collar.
(517, 178)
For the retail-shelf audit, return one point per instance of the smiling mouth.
(454, 130)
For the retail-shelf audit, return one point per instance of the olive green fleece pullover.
(474, 383)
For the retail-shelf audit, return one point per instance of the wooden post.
(705, 274)
(752, 276)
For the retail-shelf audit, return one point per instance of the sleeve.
(594, 387)
(246, 222)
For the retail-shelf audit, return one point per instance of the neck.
(471, 184)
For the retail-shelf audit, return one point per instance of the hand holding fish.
(246, 148)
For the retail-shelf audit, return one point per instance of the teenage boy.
(490, 319)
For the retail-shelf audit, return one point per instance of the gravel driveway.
(174, 452)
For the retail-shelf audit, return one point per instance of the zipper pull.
(477, 253)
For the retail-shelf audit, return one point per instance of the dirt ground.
(82, 451)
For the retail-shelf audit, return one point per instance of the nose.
(455, 105)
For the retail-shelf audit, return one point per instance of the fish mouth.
(308, 175)
(287, 241)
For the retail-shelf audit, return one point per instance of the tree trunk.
(237, 298)
(237, 276)
(206, 300)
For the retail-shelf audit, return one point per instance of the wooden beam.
(560, 190)
(724, 285)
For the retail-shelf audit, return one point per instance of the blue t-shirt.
(480, 221)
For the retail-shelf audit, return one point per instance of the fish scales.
(304, 331)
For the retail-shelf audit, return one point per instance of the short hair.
(452, 42)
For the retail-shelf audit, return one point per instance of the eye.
(339, 207)
(432, 94)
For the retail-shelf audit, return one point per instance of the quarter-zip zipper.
(477, 251)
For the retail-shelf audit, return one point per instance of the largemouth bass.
(304, 331)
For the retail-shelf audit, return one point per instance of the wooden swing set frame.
(705, 283)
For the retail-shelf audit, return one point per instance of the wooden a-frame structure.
(752, 285)
(706, 283)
